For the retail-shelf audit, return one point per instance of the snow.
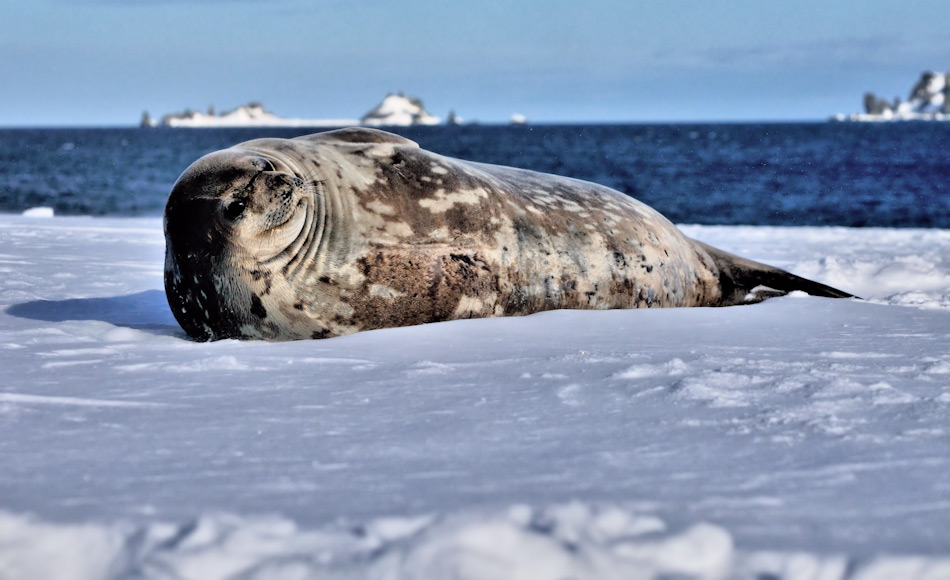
(394, 110)
(251, 115)
(932, 113)
(39, 212)
(798, 438)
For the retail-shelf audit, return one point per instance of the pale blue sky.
(102, 62)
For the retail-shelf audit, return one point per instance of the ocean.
(842, 174)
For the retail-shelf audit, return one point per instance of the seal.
(358, 229)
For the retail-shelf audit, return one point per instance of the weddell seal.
(357, 229)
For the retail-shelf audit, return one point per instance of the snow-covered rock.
(250, 115)
(928, 101)
(147, 121)
(394, 110)
(399, 110)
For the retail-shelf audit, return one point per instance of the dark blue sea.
(888, 174)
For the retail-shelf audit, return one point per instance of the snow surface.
(799, 438)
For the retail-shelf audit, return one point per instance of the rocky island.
(399, 110)
(250, 115)
(396, 110)
(929, 101)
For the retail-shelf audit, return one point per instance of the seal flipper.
(746, 282)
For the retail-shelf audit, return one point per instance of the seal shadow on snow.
(146, 311)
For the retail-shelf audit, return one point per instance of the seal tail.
(746, 282)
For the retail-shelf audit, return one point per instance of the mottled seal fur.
(357, 229)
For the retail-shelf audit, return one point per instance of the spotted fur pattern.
(358, 229)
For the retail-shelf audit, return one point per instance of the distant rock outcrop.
(394, 110)
(929, 101)
(147, 120)
(399, 110)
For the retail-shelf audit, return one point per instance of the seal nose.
(280, 186)
(276, 180)
(293, 180)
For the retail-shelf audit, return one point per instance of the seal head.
(232, 219)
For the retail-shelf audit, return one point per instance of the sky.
(104, 62)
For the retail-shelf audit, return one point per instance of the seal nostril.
(235, 209)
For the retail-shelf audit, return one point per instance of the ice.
(39, 212)
(797, 438)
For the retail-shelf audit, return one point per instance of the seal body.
(358, 229)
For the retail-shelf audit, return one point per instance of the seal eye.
(233, 210)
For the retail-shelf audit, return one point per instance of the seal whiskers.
(317, 217)
(293, 248)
